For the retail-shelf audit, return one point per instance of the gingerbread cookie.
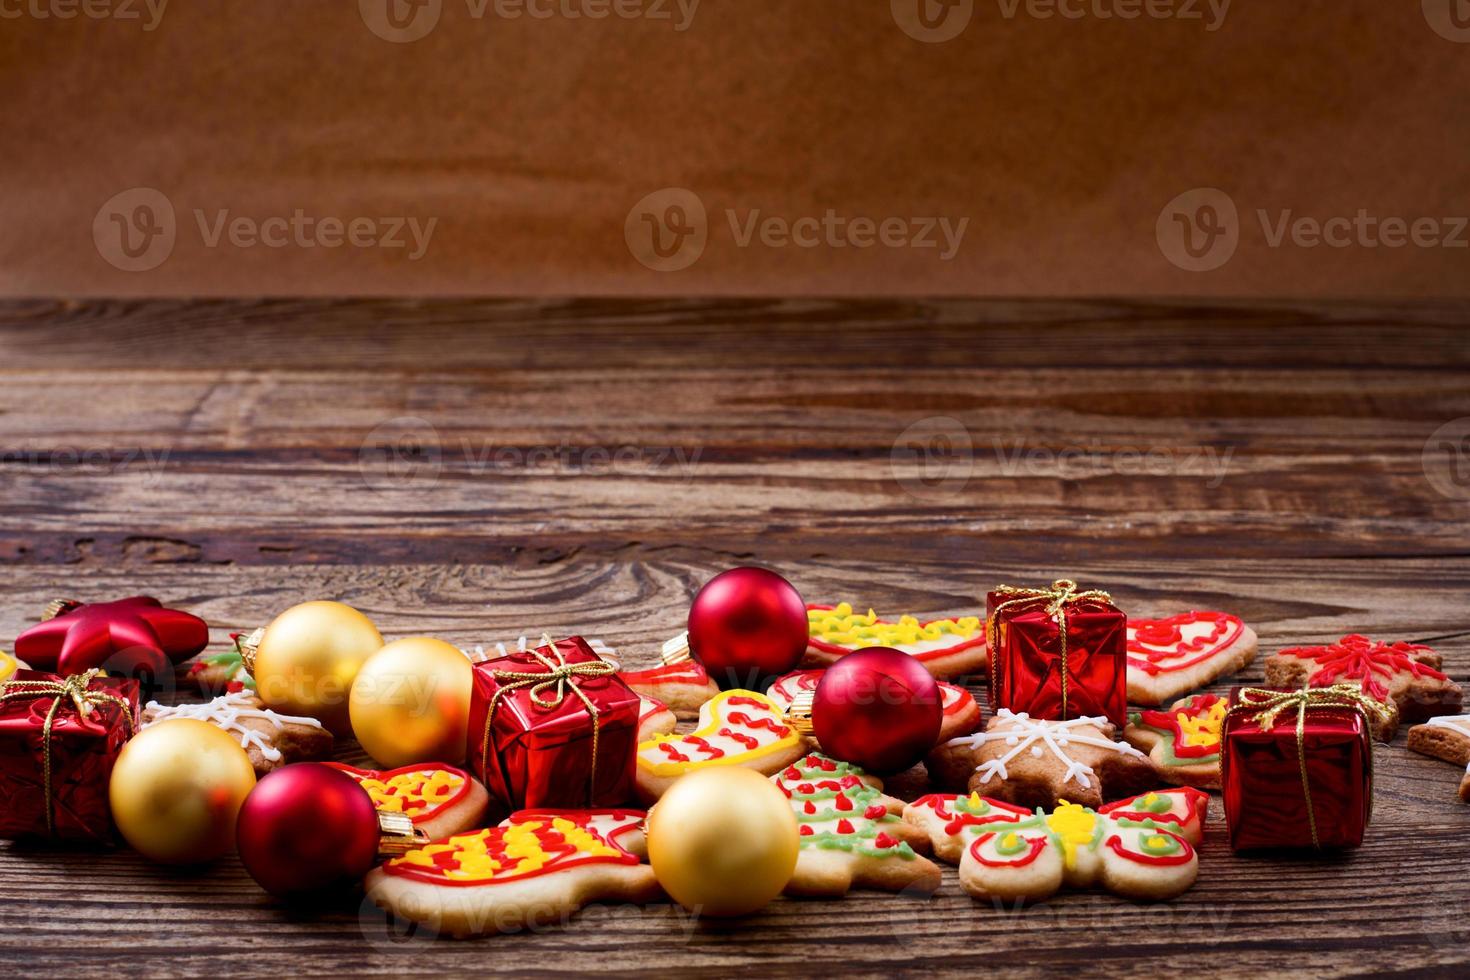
(852, 836)
(271, 740)
(654, 718)
(946, 647)
(1405, 673)
(1177, 654)
(684, 687)
(736, 728)
(1139, 848)
(961, 711)
(1040, 763)
(222, 673)
(1446, 738)
(439, 799)
(535, 869)
(1184, 742)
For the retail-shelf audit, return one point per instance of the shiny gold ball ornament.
(308, 657)
(411, 703)
(723, 841)
(176, 789)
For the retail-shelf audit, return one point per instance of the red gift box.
(1296, 767)
(532, 721)
(1058, 653)
(59, 738)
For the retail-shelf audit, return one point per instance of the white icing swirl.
(229, 712)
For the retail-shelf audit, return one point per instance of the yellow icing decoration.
(1205, 729)
(1156, 842)
(413, 792)
(1074, 826)
(8, 665)
(841, 626)
(719, 713)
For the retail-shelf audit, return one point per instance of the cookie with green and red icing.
(1184, 741)
(946, 646)
(1406, 674)
(1174, 655)
(852, 835)
(534, 870)
(1140, 848)
(961, 711)
(736, 728)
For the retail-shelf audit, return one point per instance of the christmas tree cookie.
(1184, 741)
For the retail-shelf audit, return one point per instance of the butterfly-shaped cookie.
(736, 728)
(1142, 847)
(535, 869)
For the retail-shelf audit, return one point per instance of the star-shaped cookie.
(1446, 738)
(136, 637)
(1032, 763)
(1405, 673)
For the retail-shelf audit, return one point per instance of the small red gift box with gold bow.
(553, 727)
(59, 739)
(1296, 767)
(1058, 653)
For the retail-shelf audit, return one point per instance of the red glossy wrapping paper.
(83, 751)
(536, 757)
(1261, 773)
(1027, 671)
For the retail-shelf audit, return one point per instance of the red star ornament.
(135, 636)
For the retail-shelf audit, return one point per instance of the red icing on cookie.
(1158, 646)
(1369, 662)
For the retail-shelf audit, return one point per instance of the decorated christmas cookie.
(440, 800)
(1405, 673)
(736, 728)
(1184, 742)
(1138, 848)
(222, 673)
(1039, 763)
(684, 687)
(1177, 654)
(654, 718)
(1446, 738)
(9, 665)
(961, 711)
(946, 647)
(271, 740)
(852, 836)
(535, 869)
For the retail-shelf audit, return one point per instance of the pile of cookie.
(1093, 770)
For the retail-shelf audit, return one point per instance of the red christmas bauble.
(306, 828)
(878, 708)
(747, 625)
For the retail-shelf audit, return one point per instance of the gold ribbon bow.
(1063, 593)
(558, 678)
(1265, 706)
(75, 689)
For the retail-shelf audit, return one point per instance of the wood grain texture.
(235, 458)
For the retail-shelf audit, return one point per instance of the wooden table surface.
(479, 470)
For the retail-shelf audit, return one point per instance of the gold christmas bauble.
(723, 841)
(176, 790)
(308, 658)
(411, 703)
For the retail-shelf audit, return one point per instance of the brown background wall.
(531, 140)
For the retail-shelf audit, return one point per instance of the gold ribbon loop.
(559, 675)
(76, 689)
(1264, 706)
(1063, 593)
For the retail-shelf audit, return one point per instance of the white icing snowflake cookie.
(271, 740)
(1040, 763)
